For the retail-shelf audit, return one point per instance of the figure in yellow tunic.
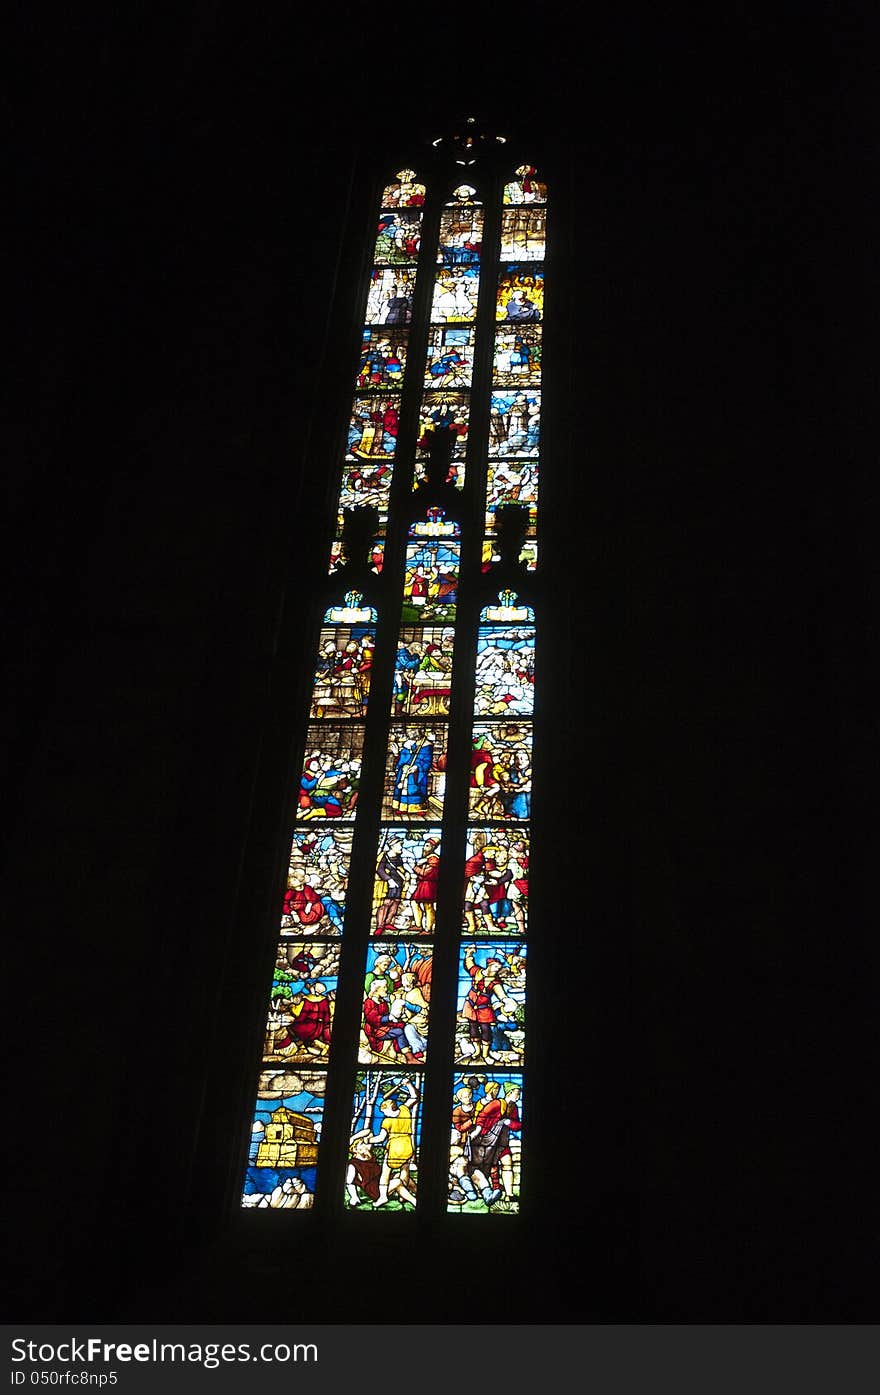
(397, 1133)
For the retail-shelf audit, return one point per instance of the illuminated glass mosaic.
(383, 898)
(528, 554)
(422, 684)
(341, 684)
(377, 555)
(450, 356)
(501, 771)
(405, 886)
(456, 291)
(372, 428)
(485, 1154)
(505, 671)
(521, 295)
(383, 358)
(397, 1000)
(445, 410)
(384, 1139)
(431, 581)
(523, 234)
(461, 234)
(404, 192)
(491, 1012)
(317, 882)
(517, 361)
(285, 1140)
(302, 1003)
(496, 882)
(415, 774)
(398, 237)
(390, 297)
(514, 422)
(331, 772)
(526, 187)
(512, 482)
(367, 482)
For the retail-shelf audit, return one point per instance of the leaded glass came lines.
(449, 373)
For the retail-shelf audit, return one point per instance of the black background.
(186, 196)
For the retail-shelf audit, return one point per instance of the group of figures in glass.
(484, 1158)
(495, 893)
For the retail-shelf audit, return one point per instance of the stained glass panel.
(456, 290)
(525, 188)
(423, 672)
(377, 555)
(512, 482)
(397, 998)
(372, 428)
(431, 581)
(384, 1141)
(496, 881)
(302, 1003)
(520, 297)
(317, 882)
(406, 192)
(491, 1003)
(435, 524)
(528, 554)
(455, 474)
(441, 410)
(342, 675)
(331, 772)
(461, 235)
(383, 358)
(366, 483)
(392, 1023)
(389, 301)
(523, 234)
(514, 423)
(505, 671)
(485, 1154)
(501, 771)
(450, 356)
(398, 237)
(405, 888)
(517, 361)
(415, 773)
(285, 1139)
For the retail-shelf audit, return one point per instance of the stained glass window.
(403, 931)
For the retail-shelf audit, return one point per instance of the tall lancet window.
(395, 1063)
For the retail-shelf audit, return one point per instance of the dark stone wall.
(191, 217)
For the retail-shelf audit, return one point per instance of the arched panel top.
(525, 188)
(506, 611)
(351, 612)
(463, 193)
(404, 192)
(435, 525)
